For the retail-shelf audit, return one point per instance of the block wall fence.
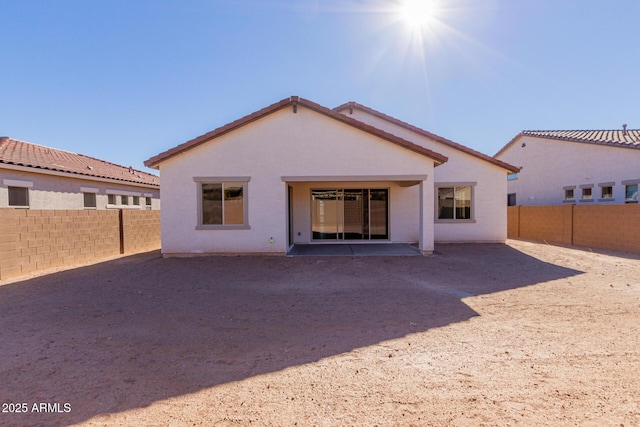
(613, 227)
(32, 240)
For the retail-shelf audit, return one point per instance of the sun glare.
(418, 14)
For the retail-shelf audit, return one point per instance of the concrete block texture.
(32, 240)
(613, 227)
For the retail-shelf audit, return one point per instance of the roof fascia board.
(296, 101)
(41, 171)
(354, 105)
(524, 134)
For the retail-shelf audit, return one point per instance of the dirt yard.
(475, 335)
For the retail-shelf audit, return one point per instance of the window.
(125, 200)
(223, 203)
(148, 202)
(454, 203)
(586, 193)
(512, 176)
(18, 196)
(89, 200)
(569, 194)
(136, 200)
(111, 199)
(631, 193)
(606, 192)
(511, 199)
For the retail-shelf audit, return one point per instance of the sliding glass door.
(350, 214)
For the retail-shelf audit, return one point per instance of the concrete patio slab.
(362, 249)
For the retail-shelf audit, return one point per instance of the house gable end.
(349, 108)
(295, 103)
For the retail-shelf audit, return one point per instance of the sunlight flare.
(418, 14)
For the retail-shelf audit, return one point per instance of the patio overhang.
(402, 180)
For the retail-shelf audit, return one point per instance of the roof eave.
(154, 162)
(354, 105)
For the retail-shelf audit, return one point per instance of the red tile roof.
(629, 138)
(20, 153)
(295, 102)
(447, 142)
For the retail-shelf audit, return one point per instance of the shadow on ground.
(126, 333)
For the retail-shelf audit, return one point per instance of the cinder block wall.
(513, 221)
(609, 227)
(550, 223)
(32, 240)
(141, 230)
(615, 227)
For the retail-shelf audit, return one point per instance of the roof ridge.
(438, 138)
(37, 156)
(631, 137)
(295, 101)
(114, 164)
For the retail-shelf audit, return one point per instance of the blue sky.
(125, 80)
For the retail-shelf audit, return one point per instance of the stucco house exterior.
(33, 176)
(583, 167)
(296, 172)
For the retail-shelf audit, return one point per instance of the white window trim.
(471, 220)
(606, 199)
(630, 182)
(17, 183)
(199, 180)
(124, 193)
(586, 199)
(28, 205)
(564, 198)
(89, 190)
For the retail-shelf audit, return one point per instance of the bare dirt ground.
(474, 335)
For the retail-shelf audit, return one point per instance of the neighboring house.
(38, 177)
(573, 166)
(296, 172)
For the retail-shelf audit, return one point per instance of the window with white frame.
(455, 203)
(569, 194)
(587, 193)
(18, 197)
(89, 197)
(631, 191)
(147, 201)
(606, 191)
(89, 200)
(111, 199)
(223, 203)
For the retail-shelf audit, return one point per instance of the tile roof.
(294, 101)
(629, 138)
(447, 142)
(20, 153)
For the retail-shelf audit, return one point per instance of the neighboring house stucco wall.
(489, 192)
(57, 191)
(287, 144)
(550, 165)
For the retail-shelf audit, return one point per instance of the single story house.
(37, 177)
(584, 167)
(296, 172)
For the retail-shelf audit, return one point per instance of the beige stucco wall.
(489, 191)
(550, 165)
(53, 191)
(283, 144)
